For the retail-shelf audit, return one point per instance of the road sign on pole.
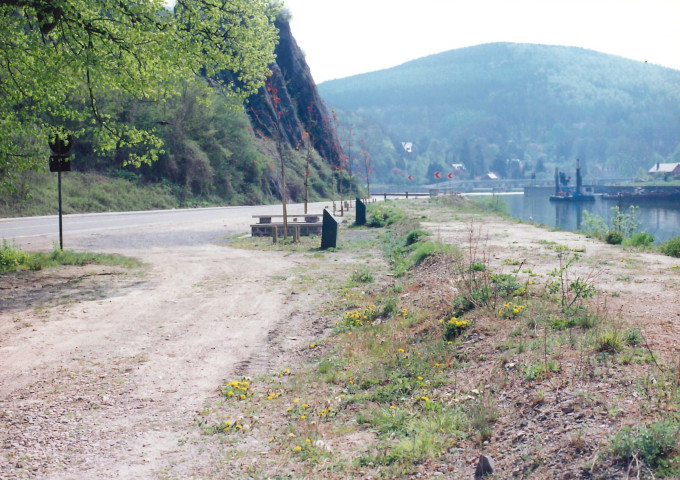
(59, 162)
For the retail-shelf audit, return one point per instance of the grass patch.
(12, 259)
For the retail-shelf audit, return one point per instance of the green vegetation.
(671, 247)
(56, 50)
(657, 445)
(623, 230)
(12, 259)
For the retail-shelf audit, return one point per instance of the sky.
(341, 38)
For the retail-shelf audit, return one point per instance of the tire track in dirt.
(109, 388)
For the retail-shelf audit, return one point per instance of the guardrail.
(401, 194)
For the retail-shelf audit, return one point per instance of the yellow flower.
(230, 393)
(297, 448)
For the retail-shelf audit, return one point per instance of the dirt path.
(108, 387)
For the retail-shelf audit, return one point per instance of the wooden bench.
(306, 224)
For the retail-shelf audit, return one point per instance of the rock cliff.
(300, 106)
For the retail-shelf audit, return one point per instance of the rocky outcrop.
(301, 108)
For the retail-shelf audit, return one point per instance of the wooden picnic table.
(310, 224)
(308, 217)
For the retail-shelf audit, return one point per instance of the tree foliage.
(62, 60)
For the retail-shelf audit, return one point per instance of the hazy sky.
(345, 37)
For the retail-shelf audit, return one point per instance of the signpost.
(61, 148)
(329, 231)
(361, 212)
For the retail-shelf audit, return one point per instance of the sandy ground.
(104, 370)
(640, 288)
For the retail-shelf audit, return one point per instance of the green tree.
(59, 57)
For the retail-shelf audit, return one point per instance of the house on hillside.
(489, 176)
(665, 170)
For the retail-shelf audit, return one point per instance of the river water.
(660, 219)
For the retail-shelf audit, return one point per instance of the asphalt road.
(118, 231)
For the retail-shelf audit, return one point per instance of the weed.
(633, 337)
(540, 370)
(359, 318)
(609, 341)
(571, 292)
(454, 327)
(362, 275)
(655, 444)
(483, 413)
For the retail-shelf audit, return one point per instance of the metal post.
(406, 194)
(61, 235)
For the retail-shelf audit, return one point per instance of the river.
(659, 219)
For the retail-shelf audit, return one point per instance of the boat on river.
(641, 194)
(566, 193)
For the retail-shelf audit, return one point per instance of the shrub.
(415, 235)
(594, 225)
(11, 257)
(614, 237)
(640, 239)
(671, 247)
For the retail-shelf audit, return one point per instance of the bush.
(640, 239)
(415, 235)
(11, 257)
(614, 237)
(671, 247)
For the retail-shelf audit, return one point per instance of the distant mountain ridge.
(495, 103)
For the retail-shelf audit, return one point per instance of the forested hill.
(513, 109)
